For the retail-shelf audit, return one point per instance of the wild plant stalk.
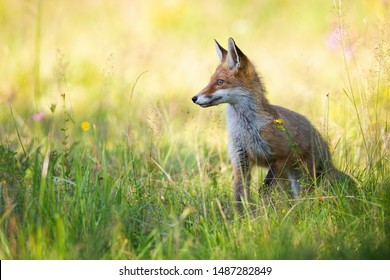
(17, 130)
(37, 52)
(351, 94)
(65, 146)
(37, 61)
(61, 69)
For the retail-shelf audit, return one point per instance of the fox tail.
(340, 177)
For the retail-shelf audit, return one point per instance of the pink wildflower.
(37, 117)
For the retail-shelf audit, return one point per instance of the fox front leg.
(242, 178)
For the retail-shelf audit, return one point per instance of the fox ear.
(221, 52)
(234, 55)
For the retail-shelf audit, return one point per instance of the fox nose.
(194, 98)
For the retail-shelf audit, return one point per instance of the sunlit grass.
(104, 156)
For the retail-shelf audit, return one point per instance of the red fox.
(260, 133)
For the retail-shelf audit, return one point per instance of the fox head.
(234, 78)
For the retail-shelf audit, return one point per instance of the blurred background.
(130, 68)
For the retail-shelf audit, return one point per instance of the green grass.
(128, 208)
(151, 178)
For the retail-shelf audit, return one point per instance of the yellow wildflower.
(278, 121)
(85, 126)
(279, 124)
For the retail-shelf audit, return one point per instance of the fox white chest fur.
(244, 124)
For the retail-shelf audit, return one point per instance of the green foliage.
(125, 207)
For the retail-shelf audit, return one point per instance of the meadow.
(103, 155)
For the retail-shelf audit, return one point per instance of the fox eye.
(219, 82)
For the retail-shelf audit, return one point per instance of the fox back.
(260, 133)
